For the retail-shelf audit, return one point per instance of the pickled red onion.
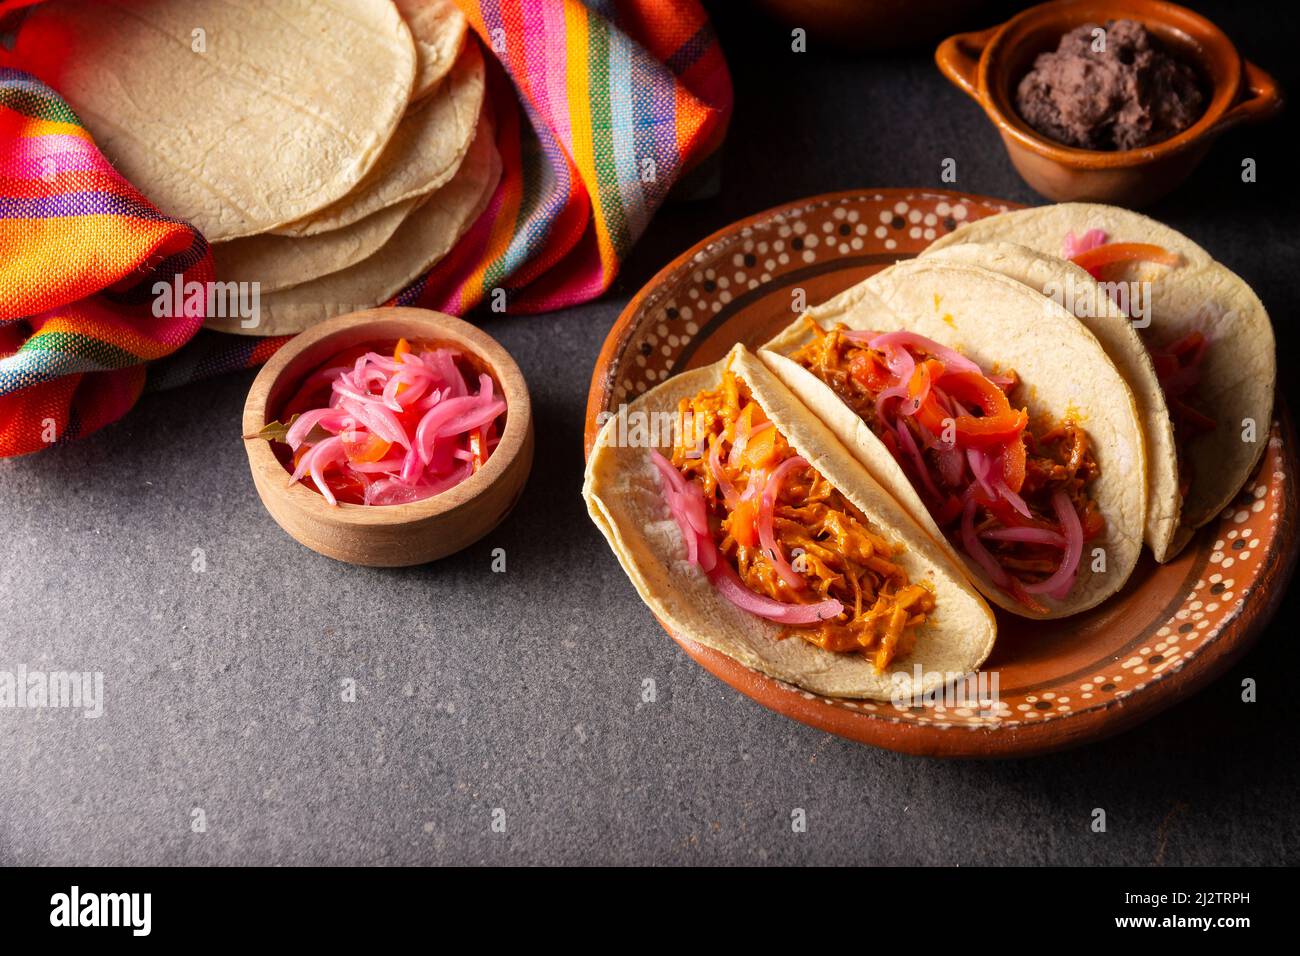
(436, 418)
(767, 521)
(953, 361)
(327, 418)
(1059, 584)
(908, 444)
(742, 442)
(1013, 499)
(902, 364)
(971, 542)
(733, 589)
(379, 399)
(1026, 535)
(715, 465)
(382, 362)
(980, 464)
(476, 416)
(702, 551)
(1089, 240)
(391, 463)
(323, 455)
(377, 419)
(398, 398)
(686, 503)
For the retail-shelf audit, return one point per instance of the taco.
(993, 416)
(748, 528)
(1202, 346)
(1078, 291)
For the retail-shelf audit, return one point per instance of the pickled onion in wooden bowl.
(337, 453)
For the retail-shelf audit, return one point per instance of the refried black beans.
(1131, 94)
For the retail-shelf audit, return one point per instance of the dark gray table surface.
(522, 690)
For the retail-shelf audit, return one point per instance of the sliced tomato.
(761, 448)
(742, 524)
(347, 486)
(364, 447)
(1097, 259)
(869, 371)
(999, 423)
(919, 385)
(1013, 465)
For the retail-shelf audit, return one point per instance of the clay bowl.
(988, 65)
(390, 535)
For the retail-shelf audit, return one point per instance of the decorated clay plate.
(1059, 683)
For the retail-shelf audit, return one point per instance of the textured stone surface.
(522, 690)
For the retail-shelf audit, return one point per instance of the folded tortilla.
(999, 324)
(1238, 376)
(1063, 280)
(625, 500)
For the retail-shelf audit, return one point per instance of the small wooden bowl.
(988, 66)
(389, 535)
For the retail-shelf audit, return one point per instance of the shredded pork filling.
(999, 486)
(788, 535)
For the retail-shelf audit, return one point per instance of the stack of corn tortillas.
(330, 150)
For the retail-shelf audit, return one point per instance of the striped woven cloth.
(602, 108)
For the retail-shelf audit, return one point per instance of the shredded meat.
(823, 536)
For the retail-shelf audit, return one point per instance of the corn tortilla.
(426, 150)
(237, 116)
(1115, 331)
(438, 27)
(425, 237)
(282, 262)
(998, 323)
(1239, 373)
(625, 501)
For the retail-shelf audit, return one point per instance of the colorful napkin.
(602, 109)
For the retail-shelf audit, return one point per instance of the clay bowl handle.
(1262, 99)
(958, 58)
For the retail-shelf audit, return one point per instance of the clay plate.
(1061, 683)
